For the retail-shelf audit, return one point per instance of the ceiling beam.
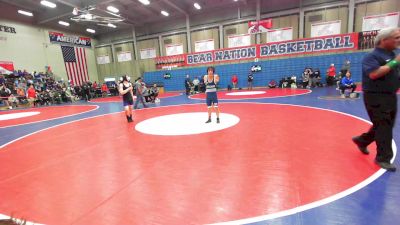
(61, 15)
(68, 3)
(144, 8)
(175, 7)
(22, 6)
(55, 17)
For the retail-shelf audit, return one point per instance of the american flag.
(75, 64)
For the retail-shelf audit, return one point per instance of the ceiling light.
(165, 13)
(63, 23)
(25, 13)
(145, 2)
(88, 16)
(90, 30)
(197, 6)
(235, 0)
(112, 9)
(111, 25)
(48, 4)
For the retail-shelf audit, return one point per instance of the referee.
(380, 82)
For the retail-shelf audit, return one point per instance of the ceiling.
(138, 15)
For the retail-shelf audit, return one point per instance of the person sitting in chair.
(272, 84)
(347, 83)
(153, 93)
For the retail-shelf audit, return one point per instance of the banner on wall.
(174, 49)
(281, 34)
(239, 40)
(259, 26)
(169, 62)
(366, 39)
(302, 46)
(378, 22)
(7, 29)
(103, 59)
(311, 45)
(148, 53)
(325, 28)
(6, 67)
(124, 56)
(204, 45)
(60, 38)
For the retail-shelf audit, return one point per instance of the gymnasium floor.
(273, 159)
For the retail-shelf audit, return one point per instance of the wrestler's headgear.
(125, 78)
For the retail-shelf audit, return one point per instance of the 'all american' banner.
(333, 43)
(60, 38)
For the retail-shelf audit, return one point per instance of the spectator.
(13, 101)
(104, 90)
(31, 95)
(86, 91)
(305, 77)
(342, 73)
(139, 93)
(345, 68)
(234, 81)
(272, 84)
(316, 79)
(188, 84)
(153, 93)
(4, 94)
(331, 73)
(347, 83)
(196, 83)
(250, 79)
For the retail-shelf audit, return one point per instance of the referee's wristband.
(392, 64)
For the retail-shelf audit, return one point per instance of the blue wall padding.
(271, 70)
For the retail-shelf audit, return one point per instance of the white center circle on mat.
(247, 93)
(186, 124)
(11, 116)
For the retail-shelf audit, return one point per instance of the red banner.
(168, 62)
(6, 67)
(60, 38)
(259, 26)
(332, 43)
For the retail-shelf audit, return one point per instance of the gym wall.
(30, 49)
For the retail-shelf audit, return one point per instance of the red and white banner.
(103, 59)
(259, 26)
(124, 56)
(6, 67)
(204, 45)
(174, 49)
(75, 64)
(60, 38)
(168, 62)
(241, 40)
(332, 43)
(325, 28)
(378, 22)
(148, 53)
(281, 34)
